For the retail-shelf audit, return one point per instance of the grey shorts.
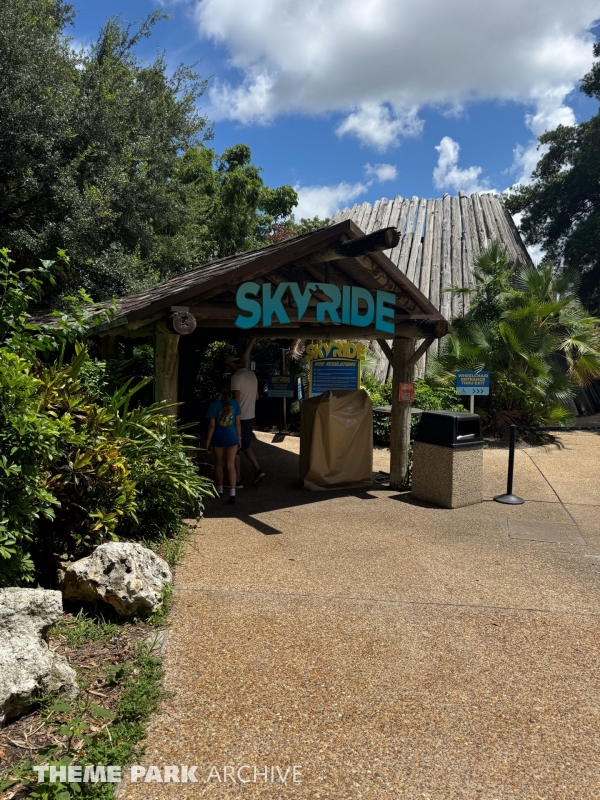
(247, 431)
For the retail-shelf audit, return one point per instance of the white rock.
(28, 668)
(125, 575)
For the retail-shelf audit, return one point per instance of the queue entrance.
(335, 284)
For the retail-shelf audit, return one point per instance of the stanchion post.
(509, 498)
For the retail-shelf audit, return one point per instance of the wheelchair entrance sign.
(473, 383)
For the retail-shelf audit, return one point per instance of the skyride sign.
(334, 365)
(260, 303)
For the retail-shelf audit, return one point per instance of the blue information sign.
(281, 386)
(471, 382)
(339, 373)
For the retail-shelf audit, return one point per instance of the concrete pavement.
(386, 648)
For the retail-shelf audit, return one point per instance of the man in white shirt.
(244, 388)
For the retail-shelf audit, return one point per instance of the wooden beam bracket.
(386, 349)
(420, 351)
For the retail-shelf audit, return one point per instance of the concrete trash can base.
(449, 477)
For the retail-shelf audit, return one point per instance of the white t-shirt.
(246, 383)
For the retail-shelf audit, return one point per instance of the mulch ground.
(96, 663)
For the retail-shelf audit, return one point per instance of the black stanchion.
(509, 498)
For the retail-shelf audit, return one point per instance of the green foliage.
(229, 208)
(529, 329)
(288, 228)
(117, 742)
(427, 397)
(83, 628)
(74, 471)
(89, 143)
(561, 208)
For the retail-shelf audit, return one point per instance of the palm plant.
(526, 326)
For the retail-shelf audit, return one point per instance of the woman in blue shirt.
(224, 437)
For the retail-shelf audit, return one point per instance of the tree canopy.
(104, 155)
(561, 208)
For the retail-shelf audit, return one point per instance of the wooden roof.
(438, 239)
(208, 291)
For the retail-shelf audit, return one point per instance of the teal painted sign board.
(328, 374)
(260, 304)
(470, 382)
(280, 386)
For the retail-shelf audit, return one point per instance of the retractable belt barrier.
(512, 499)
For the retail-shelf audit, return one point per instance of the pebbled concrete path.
(388, 649)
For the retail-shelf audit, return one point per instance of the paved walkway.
(390, 649)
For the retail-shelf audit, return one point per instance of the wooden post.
(400, 431)
(166, 366)
(109, 348)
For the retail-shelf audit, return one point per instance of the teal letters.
(244, 303)
(302, 299)
(331, 307)
(364, 320)
(383, 302)
(343, 305)
(273, 305)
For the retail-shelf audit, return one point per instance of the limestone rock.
(125, 575)
(28, 668)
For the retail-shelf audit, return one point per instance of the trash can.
(447, 468)
(336, 441)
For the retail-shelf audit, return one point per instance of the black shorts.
(247, 429)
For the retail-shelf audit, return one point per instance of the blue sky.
(353, 100)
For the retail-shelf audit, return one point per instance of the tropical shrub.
(527, 326)
(76, 470)
(427, 397)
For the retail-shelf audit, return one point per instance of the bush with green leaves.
(526, 326)
(76, 470)
(427, 397)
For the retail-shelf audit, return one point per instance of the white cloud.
(448, 175)
(377, 125)
(381, 172)
(323, 201)
(550, 112)
(378, 61)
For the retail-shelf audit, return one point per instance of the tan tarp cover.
(336, 441)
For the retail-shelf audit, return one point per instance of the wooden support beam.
(166, 366)
(400, 429)
(246, 354)
(384, 239)
(229, 311)
(386, 349)
(420, 351)
(108, 348)
(297, 330)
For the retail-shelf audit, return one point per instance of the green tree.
(89, 144)
(229, 207)
(288, 228)
(561, 208)
(528, 327)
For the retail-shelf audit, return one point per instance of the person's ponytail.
(225, 395)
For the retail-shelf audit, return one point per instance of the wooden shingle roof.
(206, 290)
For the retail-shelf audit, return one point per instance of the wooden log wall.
(438, 241)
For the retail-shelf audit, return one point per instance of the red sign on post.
(406, 392)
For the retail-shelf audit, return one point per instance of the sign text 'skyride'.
(348, 305)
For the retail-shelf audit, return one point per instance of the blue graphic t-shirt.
(225, 434)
